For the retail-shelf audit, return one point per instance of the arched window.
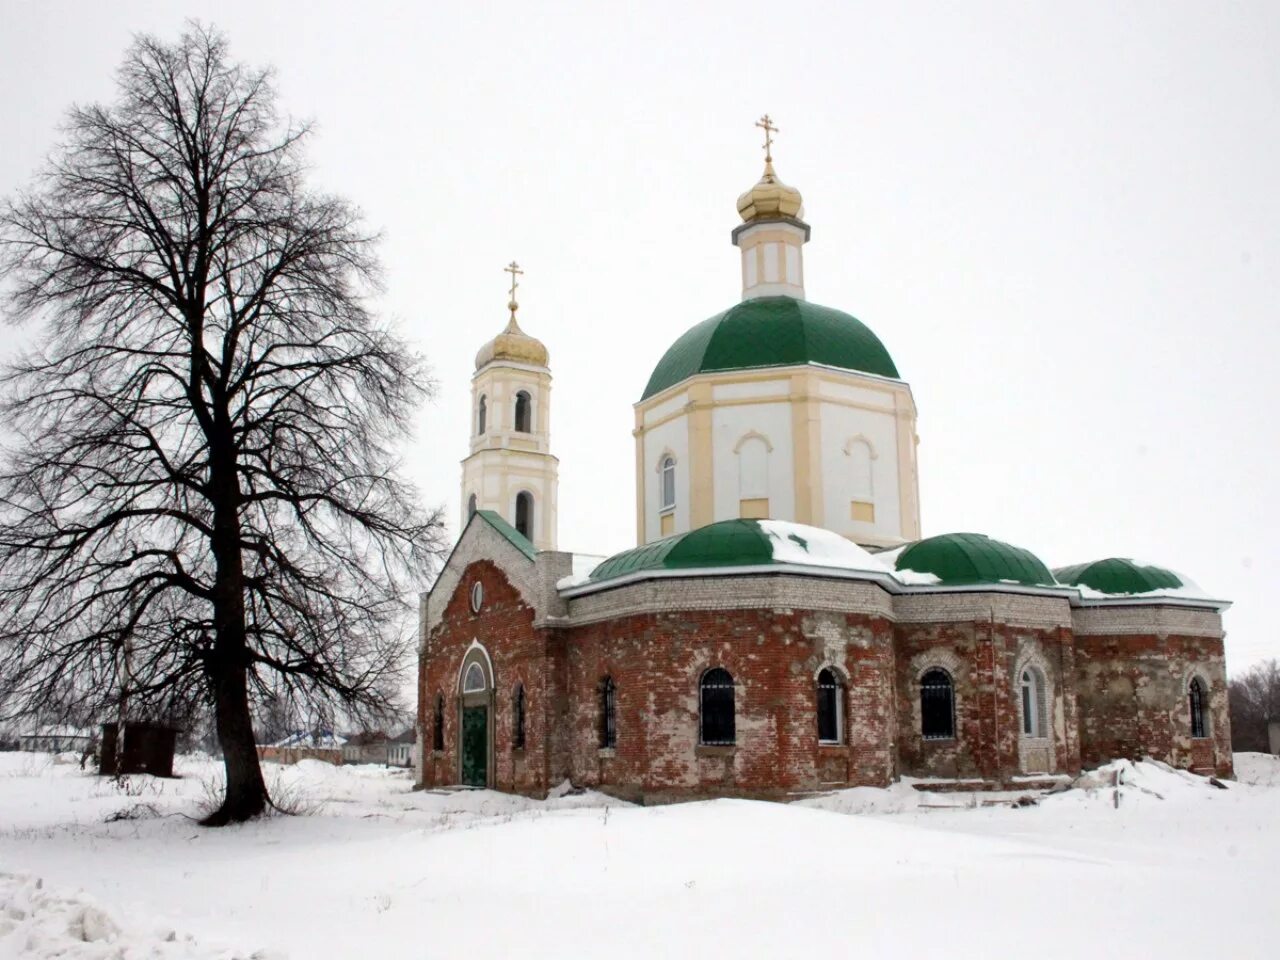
(517, 719)
(471, 506)
(524, 412)
(716, 721)
(1033, 703)
(482, 414)
(524, 513)
(473, 682)
(437, 724)
(830, 707)
(1196, 695)
(937, 706)
(608, 714)
(668, 471)
(753, 468)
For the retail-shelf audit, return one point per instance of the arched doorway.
(475, 704)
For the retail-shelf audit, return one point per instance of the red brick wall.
(656, 661)
(982, 658)
(1133, 691)
(518, 653)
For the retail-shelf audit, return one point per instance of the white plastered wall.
(670, 437)
(770, 421)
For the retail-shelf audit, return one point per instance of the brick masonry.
(1111, 689)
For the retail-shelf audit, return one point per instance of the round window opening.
(477, 596)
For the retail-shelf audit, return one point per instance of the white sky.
(1060, 218)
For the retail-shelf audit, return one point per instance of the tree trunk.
(246, 796)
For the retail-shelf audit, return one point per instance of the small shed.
(1273, 736)
(148, 748)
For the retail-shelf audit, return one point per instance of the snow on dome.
(805, 546)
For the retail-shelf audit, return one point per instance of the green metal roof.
(518, 539)
(965, 558)
(772, 332)
(728, 543)
(1119, 576)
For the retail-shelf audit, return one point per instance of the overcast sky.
(1060, 218)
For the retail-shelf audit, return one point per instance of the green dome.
(772, 332)
(1120, 576)
(743, 543)
(966, 558)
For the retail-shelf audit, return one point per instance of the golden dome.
(770, 199)
(513, 344)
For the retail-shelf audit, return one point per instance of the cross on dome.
(766, 124)
(513, 268)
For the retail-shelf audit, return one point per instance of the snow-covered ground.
(1161, 864)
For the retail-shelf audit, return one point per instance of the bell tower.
(511, 470)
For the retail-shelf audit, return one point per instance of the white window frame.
(667, 467)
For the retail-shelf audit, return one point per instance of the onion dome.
(770, 199)
(513, 345)
(1121, 576)
(970, 558)
(743, 543)
(772, 332)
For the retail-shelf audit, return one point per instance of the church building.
(782, 625)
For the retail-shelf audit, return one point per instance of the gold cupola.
(772, 232)
(770, 198)
(513, 344)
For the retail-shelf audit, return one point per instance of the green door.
(475, 746)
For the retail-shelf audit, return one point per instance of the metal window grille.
(829, 694)
(717, 727)
(1197, 709)
(608, 714)
(937, 706)
(483, 415)
(437, 725)
(517, 733)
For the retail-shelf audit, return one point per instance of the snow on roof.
(313, 740)
(806, 546)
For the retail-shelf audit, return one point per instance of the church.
(783, 625)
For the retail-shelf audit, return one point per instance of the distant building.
(1273, 735)
(57, 740)
(366, 747)
(400, 749)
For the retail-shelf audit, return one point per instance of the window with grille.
(717, 726)
(608, 714)
(1197, 697)
(937, 706)
(830, 707)
(437, 724)
(517, 719)
(482, 414)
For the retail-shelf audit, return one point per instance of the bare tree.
(1254, 698)
(203, 473)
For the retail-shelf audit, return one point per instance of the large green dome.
(772, 332)
(973, 558)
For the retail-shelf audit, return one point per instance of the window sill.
(939, 740)
(607, 753)
(830, 745)
(715, 750)
(437, 754)
(517, 751)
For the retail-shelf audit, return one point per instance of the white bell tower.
(511, 470)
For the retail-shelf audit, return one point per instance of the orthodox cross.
(513, 268)
(766, 124)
